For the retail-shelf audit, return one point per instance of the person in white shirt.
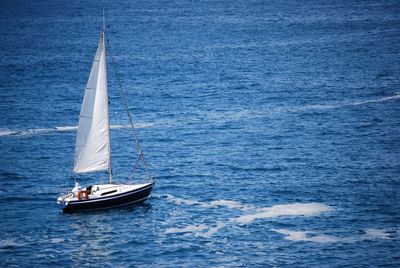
(76, 189)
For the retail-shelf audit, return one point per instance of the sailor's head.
(76, 184)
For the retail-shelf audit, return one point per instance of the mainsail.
(92, 152)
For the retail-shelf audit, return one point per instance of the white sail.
(92, 152)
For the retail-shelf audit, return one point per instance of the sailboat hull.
(110, 201)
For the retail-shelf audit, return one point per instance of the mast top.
(104, 22)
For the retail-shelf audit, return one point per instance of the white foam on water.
(144, 125)
(37, 131)
(296, 209)
(57, 240)
(307, 209)
(221, 116)
(212, 204)
(10, 243)
(67, 128)
(118, 126)
(394, 97)
(181, 201)
(370, 234)
(201, 230)
(187, 229)
(226, 116)
(346, 104)
(377, 234)
(211, 231)
(31, 132)
(305, 236)
(319, 107)
(226, 203)
(252, 213)
(6, 132)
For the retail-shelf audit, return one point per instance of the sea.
(271, 129)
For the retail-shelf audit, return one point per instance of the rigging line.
(122, 94)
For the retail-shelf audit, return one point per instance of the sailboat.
(93, 148)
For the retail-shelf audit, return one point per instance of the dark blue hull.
(135, 196)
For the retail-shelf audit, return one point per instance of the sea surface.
(271, 128)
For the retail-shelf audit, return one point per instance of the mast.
(103, 31)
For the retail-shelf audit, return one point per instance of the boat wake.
(349, 104)
(238, 115)
(39, 131)
(252, 213)
(220, 117)
(331, 106)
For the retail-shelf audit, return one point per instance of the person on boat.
(89, 190)
(76, 189)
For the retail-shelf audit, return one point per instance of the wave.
(29, 132)
(347, 104)
(226, 203)
(306, 236)
(38, 131)
(309, 236)
(67, 128)
(251, 213)
(212, 204)
(296, 209)
(212, 116)
(201, 230)
(11, 244)
(379, 234)
(187, 229)
(394, 97)
(222, 117)
(181, 201)
(6, 132)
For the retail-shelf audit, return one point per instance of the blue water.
(272, 128)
